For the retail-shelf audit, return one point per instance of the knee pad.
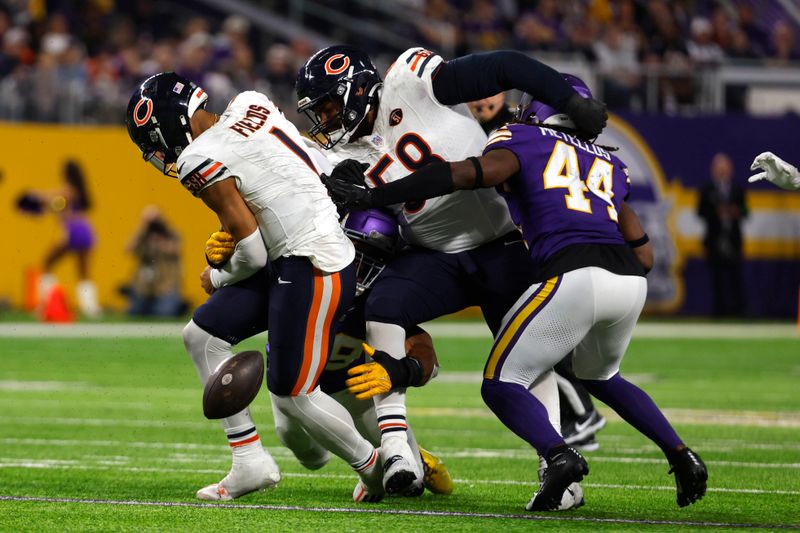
(207, 351)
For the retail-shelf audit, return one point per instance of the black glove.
(588, 114)
(349, 171)
(347, 195)
(30, 203)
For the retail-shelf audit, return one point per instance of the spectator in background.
(618, 63)
(756, 36)
(723, 208)
(437, 28)
(155, 288)
(484, 27)
(703, 51)
(782, 40)
(541, 29)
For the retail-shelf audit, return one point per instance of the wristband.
(641, 241)
(478, 172)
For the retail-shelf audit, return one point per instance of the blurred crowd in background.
(77, 61)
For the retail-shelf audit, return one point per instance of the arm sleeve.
(478, 76)
(430, 181)
(249, 256)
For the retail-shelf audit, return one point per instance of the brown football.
(234, 385)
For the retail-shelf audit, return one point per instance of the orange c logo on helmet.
(148, 112)
(329, 69)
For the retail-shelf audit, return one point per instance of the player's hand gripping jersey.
(412, 129)
(275, 175)
(567, 192)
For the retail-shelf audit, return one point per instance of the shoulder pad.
(418, 62)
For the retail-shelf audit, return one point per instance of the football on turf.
(234, 385)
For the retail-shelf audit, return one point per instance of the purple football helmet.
(375, 235)
(533, 111)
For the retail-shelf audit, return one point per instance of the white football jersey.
(413, 129)
(276, 176)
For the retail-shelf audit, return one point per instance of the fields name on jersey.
(586, 147)
(253, 120)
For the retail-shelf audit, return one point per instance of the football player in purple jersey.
(568, 195)
(580, 420)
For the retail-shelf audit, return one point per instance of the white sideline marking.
(779, 419)
(404, 512)
(439, 328)
(461, 453)
(73, 464)
(43, 386)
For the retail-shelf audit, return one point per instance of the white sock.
(46, 283)
(292, 435)
(545, 389)
(86, 292)
(363, 413)
(329, 424)
(207, 353)
(390, 408)
(571, 395)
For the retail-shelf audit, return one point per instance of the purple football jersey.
(566, 192)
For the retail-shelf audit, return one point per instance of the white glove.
(775, 170)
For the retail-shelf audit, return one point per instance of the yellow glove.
(219, 248)
(370, 379)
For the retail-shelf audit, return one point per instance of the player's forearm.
(249, 256)
(478, 76)
(429, 182)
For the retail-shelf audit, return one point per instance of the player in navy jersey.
(464, 249)
(591, 253)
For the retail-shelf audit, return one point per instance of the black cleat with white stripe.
(564, 468)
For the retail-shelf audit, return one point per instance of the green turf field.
(106, 433)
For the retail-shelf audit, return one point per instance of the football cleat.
(589, 444)
(690, 476)
(400, 473)
(435, 476)
(243, 478)
(583, 428)
(362, 494)
(572, 498)
(564, 469)
(370, 483)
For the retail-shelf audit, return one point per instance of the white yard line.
(450, 329)
(74, 464)
(480, 453)
(385, 511)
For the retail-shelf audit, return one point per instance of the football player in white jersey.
(238, 311)
(249, 166)
(465, 248)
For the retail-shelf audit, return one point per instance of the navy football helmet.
(376, 237)
(158, 118)
(530, 110)
(345, 76)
